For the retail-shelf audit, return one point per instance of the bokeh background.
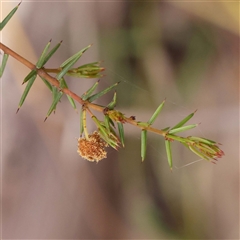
(187, 52)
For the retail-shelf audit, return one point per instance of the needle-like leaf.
(4, 62)
(29, 76)
(113, 103)
(26, 90)
(184, 128)
(156, 113)
(169, 152)
(194, 150)
(90, 91)
(203, 140)
(186, 119)
(56, 98)
(121, 132)
(8, 17)
(89, 65)
(67, 67)
(97, 95)
(75, 56)
(107, 122)
(99, 125)
(143, 144)
(49, 55)
(41, 60)
(70, 99)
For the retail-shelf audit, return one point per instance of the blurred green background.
(187, 52)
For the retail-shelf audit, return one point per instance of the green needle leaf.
(112, 142)
(64, 85)
(75, 56)
(108, 137)
(89, 65)
(169, 153)
(107, 122)
(186, 119)
(198, 153)
(143, 144)
(4, 62)
(68, 66)
(90, 91)
(156, 113)
(121, 132)
(86, 75)
(111, 122)
(8, 17)
(49, 55)
(181, 129)
(29, 76)
(206, 148)
(70, 62)
(56, 98)
(113, 103)
(97, 95)
(177, 138)
(72, 102)
(203, 140)
(101, 128)
(26, 90)
(41, 60)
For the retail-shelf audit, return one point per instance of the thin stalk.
(85, 124)
(53, 81)
(53, 70)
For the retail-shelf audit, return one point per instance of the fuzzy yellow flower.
(93, 148)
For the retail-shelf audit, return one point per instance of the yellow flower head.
(92, 149)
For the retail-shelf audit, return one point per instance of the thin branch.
(41, 72)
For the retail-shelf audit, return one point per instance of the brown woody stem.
(53, 81)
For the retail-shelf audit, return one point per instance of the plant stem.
(52, 70)
(42, 72)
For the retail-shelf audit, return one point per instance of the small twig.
(53, 81)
